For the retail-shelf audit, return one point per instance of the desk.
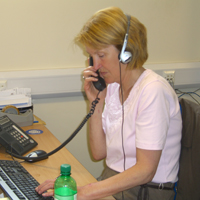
(50, 168)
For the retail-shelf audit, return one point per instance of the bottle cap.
(65, 169)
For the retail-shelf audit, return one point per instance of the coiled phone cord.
(34, 159)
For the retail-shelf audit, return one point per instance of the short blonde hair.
(108, 27)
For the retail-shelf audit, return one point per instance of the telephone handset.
(100, 84)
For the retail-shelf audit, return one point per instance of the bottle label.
(72, 197)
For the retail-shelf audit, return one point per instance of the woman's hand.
(89, 76)
(48, 184)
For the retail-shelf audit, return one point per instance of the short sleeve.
(153, 117)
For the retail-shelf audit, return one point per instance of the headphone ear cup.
(125, 57)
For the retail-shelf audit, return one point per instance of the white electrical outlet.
(170, 77)
(3, 84)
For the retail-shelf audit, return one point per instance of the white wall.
(38, 34)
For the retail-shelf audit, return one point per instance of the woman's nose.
(96, 65)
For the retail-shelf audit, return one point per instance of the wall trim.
(68, 82)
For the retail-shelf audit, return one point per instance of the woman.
(138, 130)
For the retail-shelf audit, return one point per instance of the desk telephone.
(13, 138)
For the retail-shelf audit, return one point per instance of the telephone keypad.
(14, 138)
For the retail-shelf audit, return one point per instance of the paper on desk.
(19, 97)
(16, 91)
(3, 198)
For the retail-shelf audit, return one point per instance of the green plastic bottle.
(65, 186)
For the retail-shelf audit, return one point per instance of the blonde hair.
(108, 27)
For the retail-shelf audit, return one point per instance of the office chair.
(188, 185)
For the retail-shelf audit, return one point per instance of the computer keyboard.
(17, 182)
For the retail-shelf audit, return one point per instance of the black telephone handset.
(100, 84)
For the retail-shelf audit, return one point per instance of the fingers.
(48, 184)
(48, 194)
(89, 74)
(91, 92)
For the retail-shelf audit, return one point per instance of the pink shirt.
(152, 121)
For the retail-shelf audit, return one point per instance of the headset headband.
(125, 56)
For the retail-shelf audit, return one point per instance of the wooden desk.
(50, 168)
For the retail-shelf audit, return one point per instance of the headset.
(125, 56)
